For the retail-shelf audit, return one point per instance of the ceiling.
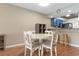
(52, 9)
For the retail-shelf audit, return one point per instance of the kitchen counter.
(75, 30)
(72, 33)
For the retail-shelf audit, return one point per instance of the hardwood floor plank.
(62, 51)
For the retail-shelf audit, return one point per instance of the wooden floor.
(62, 51)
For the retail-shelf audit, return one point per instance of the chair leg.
(51, 51)
(25, 51)
(55, 51)
(30, 52)
(42, 52)
(39, 52)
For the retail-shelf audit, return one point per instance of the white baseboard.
(22, 44)
(16, 45)
(74, 45)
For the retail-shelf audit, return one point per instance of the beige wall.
(14, 20)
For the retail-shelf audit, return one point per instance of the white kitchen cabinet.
(74, 21)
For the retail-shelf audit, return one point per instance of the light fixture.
(69, 10)
(58, 11)
(44, 4)
(68, 15)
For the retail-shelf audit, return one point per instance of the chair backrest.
(27, 36)
(56, 36)
(51, 36)
(49, 32)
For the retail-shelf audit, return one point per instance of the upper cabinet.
(74, 21)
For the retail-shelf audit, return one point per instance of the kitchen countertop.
(75, 30)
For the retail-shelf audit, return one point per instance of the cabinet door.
(76, 24)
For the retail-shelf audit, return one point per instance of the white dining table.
(41, 36)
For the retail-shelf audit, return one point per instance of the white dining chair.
(51, 42)
(55, 41)
(31, 43)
